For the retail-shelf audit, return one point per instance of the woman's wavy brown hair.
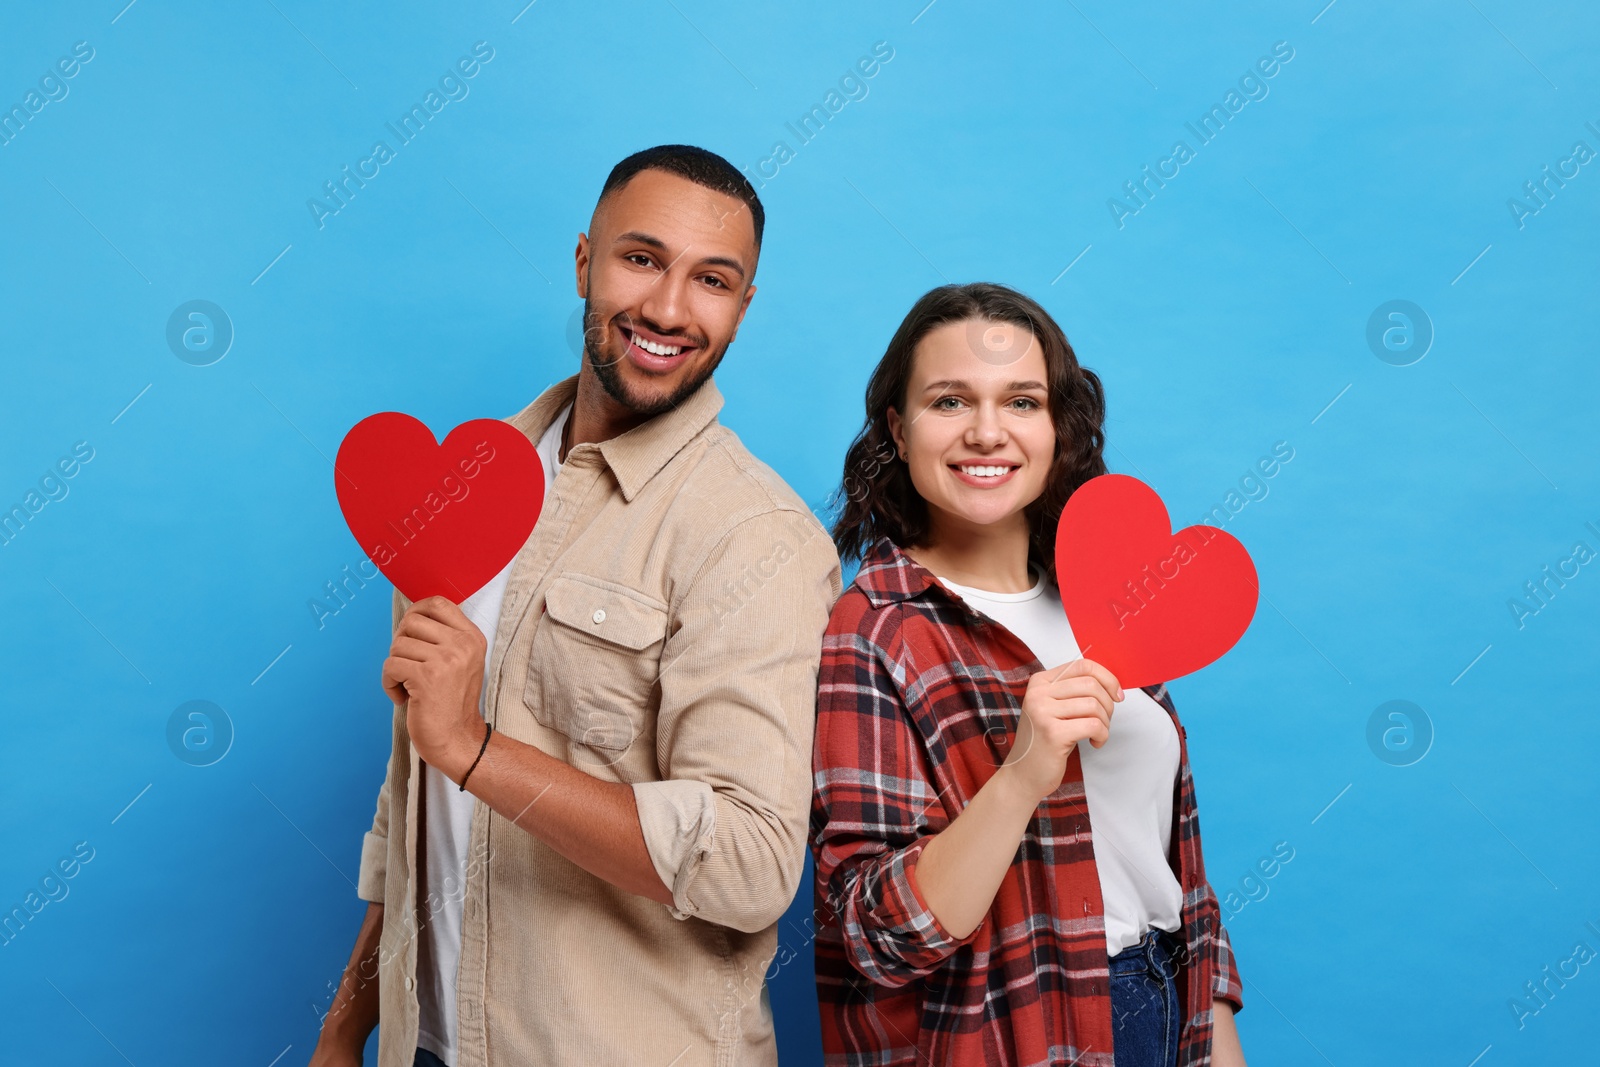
(876, 497)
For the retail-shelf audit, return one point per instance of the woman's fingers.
(1082, 685)
(1107, 679)
(1074, 714)
(1092, 726)
(1088, 668)
(1094, 729)
(1072, 703)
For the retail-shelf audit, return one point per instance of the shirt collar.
(888, 575)
(636, 455)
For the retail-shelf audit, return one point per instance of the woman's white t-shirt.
(449, 825)
(1129, 780)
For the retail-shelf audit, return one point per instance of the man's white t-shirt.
(1129, 780)
(449, 825)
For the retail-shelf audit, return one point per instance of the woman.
(989, 891)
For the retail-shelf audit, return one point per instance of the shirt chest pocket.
(594, 666)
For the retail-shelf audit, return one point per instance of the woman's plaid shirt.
(917, 704)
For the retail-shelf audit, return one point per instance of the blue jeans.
(425, 1058)
(1144, 1002)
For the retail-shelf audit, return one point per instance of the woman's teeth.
(984, 472)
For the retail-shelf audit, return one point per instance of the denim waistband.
(1154, 954)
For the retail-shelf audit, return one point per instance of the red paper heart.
(1147, 603)
(438, 519)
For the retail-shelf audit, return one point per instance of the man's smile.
(653, 352)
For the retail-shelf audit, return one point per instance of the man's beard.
(611, 380)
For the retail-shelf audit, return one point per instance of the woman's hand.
(962, 867)
(1062, 706)
(1225, 1048)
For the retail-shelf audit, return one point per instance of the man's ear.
(749, 294)
(581, 265)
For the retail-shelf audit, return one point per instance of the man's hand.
(435, 667)
(326, 1055)
(354, 1011)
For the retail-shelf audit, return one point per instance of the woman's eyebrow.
(957, 384)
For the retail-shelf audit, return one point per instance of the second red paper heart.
(1147, 603)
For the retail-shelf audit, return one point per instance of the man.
(634, 807)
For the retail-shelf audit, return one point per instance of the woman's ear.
(897, 431)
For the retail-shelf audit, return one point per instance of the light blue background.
(1229, 313)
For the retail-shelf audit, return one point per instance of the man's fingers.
(442, 610)
(426, 627)
(412, 649)
(440, 622)
(396, 673)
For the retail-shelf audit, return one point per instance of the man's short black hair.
(696, 164)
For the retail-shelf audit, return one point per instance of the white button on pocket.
(594, 665)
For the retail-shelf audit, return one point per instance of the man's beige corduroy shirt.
(662, 626)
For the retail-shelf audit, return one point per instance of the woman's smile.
(984, 475)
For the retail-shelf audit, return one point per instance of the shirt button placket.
(470, 990)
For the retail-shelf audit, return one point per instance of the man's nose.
(666, 305)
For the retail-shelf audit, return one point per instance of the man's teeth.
(984, 472)
(655, 349)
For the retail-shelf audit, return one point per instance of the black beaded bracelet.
(488, 728)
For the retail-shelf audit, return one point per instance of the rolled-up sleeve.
(375, 843)
(875, 810)
(726, 824)
(1225, 983)
(375, 852)
(679, 820)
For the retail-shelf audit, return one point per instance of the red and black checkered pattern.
(917, 706)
